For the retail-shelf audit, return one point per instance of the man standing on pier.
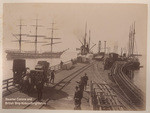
(81, 83)
(85, 78)
(77, 99)
(52, 77)
(61, 64)
(39, 90)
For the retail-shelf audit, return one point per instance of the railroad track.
(122, 95)
(112, 101)
(132, 93)
(134, 87)
(120, 92)
(61, 84)
(129, 81)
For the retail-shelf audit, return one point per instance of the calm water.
(7, 64)
(140, 76)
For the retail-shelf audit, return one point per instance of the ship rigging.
(29, 54)
(85, 46)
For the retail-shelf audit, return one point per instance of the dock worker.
(85, 78)
(61, 64)
(72, 61)
(26, 81)
(77, 99)
(81, 83)
(39, 87)
(52, 76)
(48, 76)
(81, 87)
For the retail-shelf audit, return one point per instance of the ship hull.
(135, 65)
(33, 55)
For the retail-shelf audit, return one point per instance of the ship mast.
(36, 34)
(131, 40)
(105, 47)
(89, 38)
(20, 35)
(129, 51)
(52, 37)
(36, 28)
(85, 35)
(99, 47)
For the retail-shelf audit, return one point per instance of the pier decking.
(50, 91)
(100, 93)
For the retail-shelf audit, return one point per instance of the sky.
(107, 22)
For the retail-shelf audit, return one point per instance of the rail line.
(121, 92)
(111, 100)
(129, 81)
(135, 96)
(63, 83)
(137, 92)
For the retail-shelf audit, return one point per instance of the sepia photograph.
(74, 56)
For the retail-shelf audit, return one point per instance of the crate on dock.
(84, 59)
(79, 59)
(67, 66)
(19, 65)
(64, 67)
(19, 69)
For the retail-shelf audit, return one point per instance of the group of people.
(40, 85)
(79, 91)
(25, 82)
(29, 82)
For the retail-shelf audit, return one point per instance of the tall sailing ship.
(132, 56)
(12, 54)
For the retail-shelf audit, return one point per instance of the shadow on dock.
(49, 93)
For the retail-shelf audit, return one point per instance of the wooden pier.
(100, 93)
